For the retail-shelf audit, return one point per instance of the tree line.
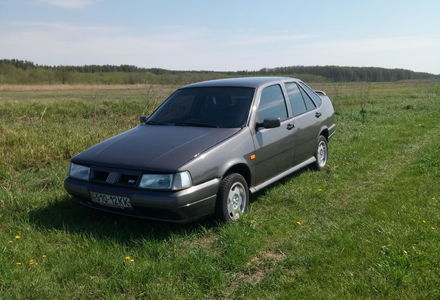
(339, 73)
(14, 71)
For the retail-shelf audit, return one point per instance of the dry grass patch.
(202, 242)
(55, 87)
(259, 266)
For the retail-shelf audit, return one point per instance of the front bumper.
(174, 206)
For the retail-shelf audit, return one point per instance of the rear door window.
(312, 94)
(272, 104)
(309, 103)
(296, 99)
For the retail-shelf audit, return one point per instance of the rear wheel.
(233, 197)
(321, 154)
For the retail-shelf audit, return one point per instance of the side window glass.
(272, 104)
(309, 103)
(312, 93)
(296, 100)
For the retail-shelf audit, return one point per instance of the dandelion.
(18, 263)
(433, 228)
(10, 242)
(32, 262)
(129, 259)
(423, 221)
(299, 222)
(319, 190)
(44, 256)
(18, 237)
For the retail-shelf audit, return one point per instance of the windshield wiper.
(196, 124)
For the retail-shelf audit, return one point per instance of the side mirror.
(320, 93)
(269, 123)
(143, 119)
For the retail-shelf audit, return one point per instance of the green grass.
(367, 227)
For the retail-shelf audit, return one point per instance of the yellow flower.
(44, 256)
(127, 257)
(299, 222)
(18, 263)
(319, 190)
(433, 228)
(32, 262)
(132, 260)
(10, 242)
(18, 237)
(433, 198)
(423, 221)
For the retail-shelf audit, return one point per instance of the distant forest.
(13, 71)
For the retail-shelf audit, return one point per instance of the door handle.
(290, 126)
(318, 114)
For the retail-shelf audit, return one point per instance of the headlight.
(79, 172)
(177, 181)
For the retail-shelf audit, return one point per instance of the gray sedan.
(205, 149)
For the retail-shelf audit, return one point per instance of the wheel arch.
(240, 168)
(324, 132)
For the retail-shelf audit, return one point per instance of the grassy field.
(367, 227)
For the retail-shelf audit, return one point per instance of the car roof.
(252, 82)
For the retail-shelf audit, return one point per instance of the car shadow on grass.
(67, 214)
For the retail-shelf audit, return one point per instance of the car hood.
(153, 147)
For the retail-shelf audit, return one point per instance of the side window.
(309, 103)
(312, 93)
(272, 104)
(296, 100)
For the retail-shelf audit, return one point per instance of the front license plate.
(111, 200)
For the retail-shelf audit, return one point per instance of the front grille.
(117, 177)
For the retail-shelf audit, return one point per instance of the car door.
(306, 121)
(273, 146)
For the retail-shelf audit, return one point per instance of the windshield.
(224, 107)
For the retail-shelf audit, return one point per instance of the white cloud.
(199, 48)
(68, 3)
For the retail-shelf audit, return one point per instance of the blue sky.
(223, 35)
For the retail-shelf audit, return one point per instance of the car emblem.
(112, 178)
(131, 181)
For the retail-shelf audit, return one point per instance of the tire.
(232, 198)
(321, 154)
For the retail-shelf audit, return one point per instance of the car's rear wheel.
(321, 154)
(233, 197)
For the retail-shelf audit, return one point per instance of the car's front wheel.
(233, 197)
(321, 154)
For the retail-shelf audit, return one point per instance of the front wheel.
(233, 197)
(321, 154)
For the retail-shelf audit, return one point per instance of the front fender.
(214, 162)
